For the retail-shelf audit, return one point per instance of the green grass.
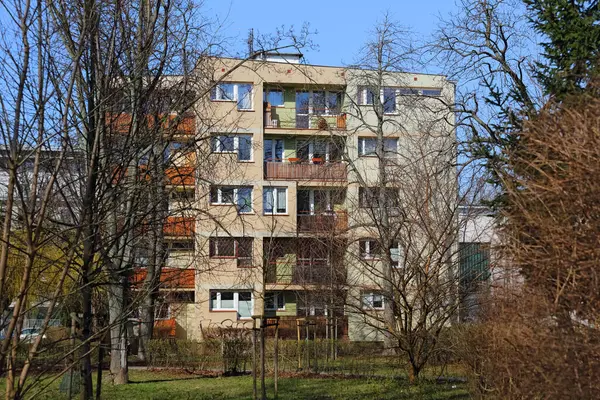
(159, 385)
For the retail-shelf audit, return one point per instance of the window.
(228, 247)
(181, 246)
(227, 300)
(365, 96)
(416, 92)
(390, 148)
(240, 144)
(273, 150)
(275, 200)
(432, 92)
(369, 249)
(274, 301)
(319, 105)
(474, 263)
(274, 97)
(373, 301)
(368, 147)
(369, 197)
(183, 195)
(241, 93)
(173, 152)
(240, 196)
(397, 255)
(183, 297)
(389, 100)
(334, 103)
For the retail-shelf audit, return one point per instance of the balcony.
(334, 171)
(303, 272)
(326, 222)
(181, 176)
(179, 226)
(292, 118)
(173, 278)
(179, 124)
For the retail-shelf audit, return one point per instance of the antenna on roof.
(251, 42)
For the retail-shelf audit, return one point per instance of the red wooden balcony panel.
(323, 223)
(325, 172)
(171, 278)
(164, 328)
(182, 125)
(181, 176)
(179, 226)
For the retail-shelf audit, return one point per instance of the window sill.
(245, 161)
(275, 215)
(222, 101)
(223, 310)
(223, 258)
(244, 110)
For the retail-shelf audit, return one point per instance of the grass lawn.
(159, 385)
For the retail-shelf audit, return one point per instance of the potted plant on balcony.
(317, 160)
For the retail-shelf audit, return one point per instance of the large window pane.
(268, 200)
(278, 149)
(213, 300)
(227, 300)
(389, 100)
(334, 102)
(281, 201)
(227, 195)
(366, 146)
(244, 97)
(275, 97)
(227, 143)
(390, 146)
(244, 200)
(245, 148)
(318, 102)
(224, 91)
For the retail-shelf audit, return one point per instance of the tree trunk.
(118, 333)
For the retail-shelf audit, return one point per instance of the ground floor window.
(229, 300)
(275, 301)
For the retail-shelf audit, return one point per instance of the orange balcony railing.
(180, 176)
(179, 226)
(327, 222)
(180, 124)
(165, 328)
(333, 171)
(173, 278)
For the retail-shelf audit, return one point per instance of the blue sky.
(342, 25)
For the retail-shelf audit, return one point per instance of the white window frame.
(236, 299)
(368, 298)
(235, 247)
(361, 146)
(311, 200)
(236, 145)
(368, 254)
(328, 113)
(236, 96)
(278, 301)
(276, 190)
(220, 201)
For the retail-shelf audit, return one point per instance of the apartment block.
(282, 181)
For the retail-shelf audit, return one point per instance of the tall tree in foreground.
(571, 44)
(404, 280)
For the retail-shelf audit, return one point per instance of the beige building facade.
(280, 222)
